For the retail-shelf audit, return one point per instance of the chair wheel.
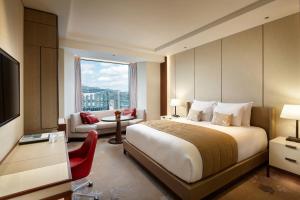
(90, 184)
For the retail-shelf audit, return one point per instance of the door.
(49, 88)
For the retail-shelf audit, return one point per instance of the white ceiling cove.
(159, 27)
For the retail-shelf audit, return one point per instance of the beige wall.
(242, 67)
(184, 76)
(11, 41)
(142, 85)
(282, 68)
(261, 65)
(69, 87)
(153, 91)
(66, 82)
(185, 65)
(170, 81)
(148, 88)
(61, 89)
(208, 59)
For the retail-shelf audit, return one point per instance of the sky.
(104, 75)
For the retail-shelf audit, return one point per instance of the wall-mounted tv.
(9, 88)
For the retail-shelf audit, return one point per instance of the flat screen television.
(9, 88)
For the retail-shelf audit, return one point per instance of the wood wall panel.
(242, 67)
(282, 68)
(40, 71)
(40, 34)
(208, 71)
(40, 17)
(1, 96)
(32, 112)
(163, 87)
(49, 88)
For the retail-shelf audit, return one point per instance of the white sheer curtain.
(133, 84)
(78, 97)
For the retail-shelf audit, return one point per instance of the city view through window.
(104, 85)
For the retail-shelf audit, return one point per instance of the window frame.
(104, 61)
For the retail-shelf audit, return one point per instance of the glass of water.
(52, 137)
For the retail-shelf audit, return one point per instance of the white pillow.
(207, 108)
(237, 110)
(247, 114)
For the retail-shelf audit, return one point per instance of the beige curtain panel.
(78, 96)
(133, 84)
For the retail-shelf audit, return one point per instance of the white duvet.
(181, 157)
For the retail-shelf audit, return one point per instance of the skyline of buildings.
(95, 99)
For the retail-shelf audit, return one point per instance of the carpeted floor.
(119, 177)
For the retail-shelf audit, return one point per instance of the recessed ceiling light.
(267, 17)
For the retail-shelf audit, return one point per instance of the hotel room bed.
(181, 157)
(178, 163)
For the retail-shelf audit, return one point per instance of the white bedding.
(181, 157)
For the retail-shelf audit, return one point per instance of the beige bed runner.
(218, 150)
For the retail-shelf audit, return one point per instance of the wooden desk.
(37, 171)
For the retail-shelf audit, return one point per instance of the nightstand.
(285, 155)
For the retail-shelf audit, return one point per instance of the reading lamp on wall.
(292, 112)
(175, 103)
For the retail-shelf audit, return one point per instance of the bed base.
(202, 188)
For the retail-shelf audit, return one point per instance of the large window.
(104, 85)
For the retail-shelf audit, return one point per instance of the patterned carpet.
(119, 177)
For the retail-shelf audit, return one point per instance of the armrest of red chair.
(75, 153)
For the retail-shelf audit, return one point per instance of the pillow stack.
(241, 112)
(225, 114)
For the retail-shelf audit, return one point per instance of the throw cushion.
(194, 115)
(222, 119)
(92, 119)
(83, 116)
(130, 112)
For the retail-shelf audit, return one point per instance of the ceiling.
(156, 27)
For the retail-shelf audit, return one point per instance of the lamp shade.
(290, 112)
(175, 102)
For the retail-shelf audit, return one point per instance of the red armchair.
(81, 161)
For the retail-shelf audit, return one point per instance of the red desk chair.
(81, 162)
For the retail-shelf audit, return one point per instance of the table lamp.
(174, 103)
(291, 112)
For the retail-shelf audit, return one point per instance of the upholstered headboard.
(263, 117)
